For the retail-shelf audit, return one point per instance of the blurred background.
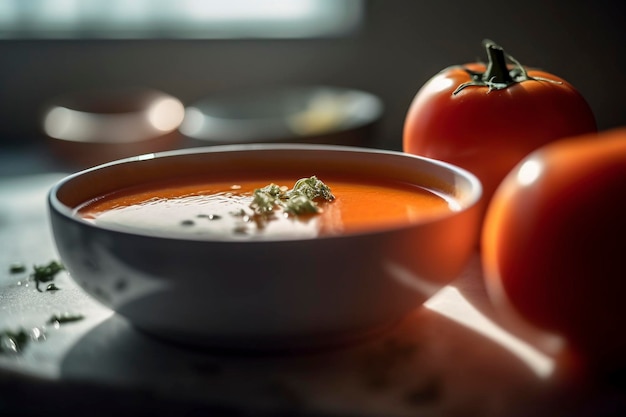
(193, 50)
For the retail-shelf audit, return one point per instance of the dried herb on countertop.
(46, 273)
(17, 268)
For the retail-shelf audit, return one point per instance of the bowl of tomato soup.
(264, 246)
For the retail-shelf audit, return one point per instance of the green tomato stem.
(497, 69)
(498, 75)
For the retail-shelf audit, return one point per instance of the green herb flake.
(52, 287)
(312, 188)
(298, 200)
(301, 204)
(17, 268)
(46, 273)
(273, 190)
(266, 199)
(13, 342)
(57, 320)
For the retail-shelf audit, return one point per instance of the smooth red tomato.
(554, 242)
(502, 114)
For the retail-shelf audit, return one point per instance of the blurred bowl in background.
(88, 128)
(316, 114)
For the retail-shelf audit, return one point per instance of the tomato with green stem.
(487, 117)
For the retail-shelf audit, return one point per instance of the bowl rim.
(55, 205)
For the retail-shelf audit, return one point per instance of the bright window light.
(199, 19)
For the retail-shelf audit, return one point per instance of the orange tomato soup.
(221, 210)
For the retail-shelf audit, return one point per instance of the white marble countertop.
(452, 357)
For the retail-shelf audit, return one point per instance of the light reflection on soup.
(220, 210)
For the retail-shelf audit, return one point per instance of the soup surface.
(221, 210)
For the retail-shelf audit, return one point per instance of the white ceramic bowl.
(209, 292)
(296, 114)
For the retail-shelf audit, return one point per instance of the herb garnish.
(298, 200)
(17, 268)
(272, 199)
(13, 342)
(312, 188)
(57, 320)
(46, 273)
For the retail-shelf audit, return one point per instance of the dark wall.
(400, 46)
